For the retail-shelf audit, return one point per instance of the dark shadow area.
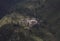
(11, 32)
(6, 31)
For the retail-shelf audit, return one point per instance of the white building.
(31, 22)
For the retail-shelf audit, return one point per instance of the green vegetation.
(11, 28)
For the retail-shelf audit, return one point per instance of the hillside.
(14, 24)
